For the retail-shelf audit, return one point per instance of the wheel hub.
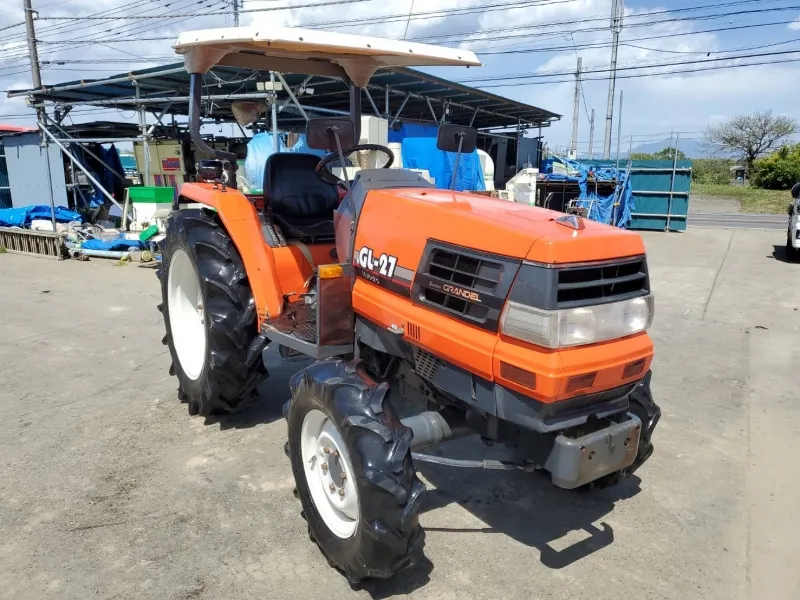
(186, 314)
(329, 474)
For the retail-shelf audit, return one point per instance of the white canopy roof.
(310, 51)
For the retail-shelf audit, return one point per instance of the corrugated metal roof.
(419, 92)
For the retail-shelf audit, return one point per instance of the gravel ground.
(108, 489)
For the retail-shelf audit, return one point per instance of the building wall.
(5, 189)
(26, 161)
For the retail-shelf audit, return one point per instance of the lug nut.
(591, 455)
(627, 441)
(324, 467)
(332, 488)
(341, 493)
(326, 450)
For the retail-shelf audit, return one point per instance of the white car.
(793, 233)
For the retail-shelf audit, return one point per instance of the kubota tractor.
(525, 326)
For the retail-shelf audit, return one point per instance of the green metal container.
(661, 192)
(154, 195)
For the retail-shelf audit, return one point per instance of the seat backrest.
(292, 188)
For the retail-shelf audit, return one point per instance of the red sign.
(170, 164)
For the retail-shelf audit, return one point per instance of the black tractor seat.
(300, 203)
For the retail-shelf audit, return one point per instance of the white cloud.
(795, 24)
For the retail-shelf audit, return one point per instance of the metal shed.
(395, 94)
(398, 95)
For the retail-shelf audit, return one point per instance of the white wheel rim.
(329, 475)
(186, 314)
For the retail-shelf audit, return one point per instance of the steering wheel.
(328, 177)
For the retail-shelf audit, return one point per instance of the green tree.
(750, 136)
(664, 154)
(712, 170)
(778, 171)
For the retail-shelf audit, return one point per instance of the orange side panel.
(293, 268)
(463, 345)
(553, 368)
(241, 221)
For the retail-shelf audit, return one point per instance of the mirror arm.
(461, 135)
(335, 132)
(195, 97)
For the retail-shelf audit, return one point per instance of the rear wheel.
(352, 465)
(209, 315)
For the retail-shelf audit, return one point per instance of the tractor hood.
(515, 230)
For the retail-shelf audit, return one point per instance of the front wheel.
(351, 460)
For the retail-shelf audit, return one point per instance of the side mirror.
(457, 138)
(320, 133)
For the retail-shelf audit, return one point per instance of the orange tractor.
(525, 326)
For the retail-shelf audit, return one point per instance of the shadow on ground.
(780, 253)
(273, 394)
(526, 506)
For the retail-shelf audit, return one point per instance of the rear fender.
(241, 220)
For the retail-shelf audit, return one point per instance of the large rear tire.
(210, 316)
(351, 459)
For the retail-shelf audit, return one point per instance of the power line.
(537, 75)
(642, 75)
(495, 38)
(71, 44)
(207, 14)
(49, 30)
(603, 18)
(593, 45)
(444, 12)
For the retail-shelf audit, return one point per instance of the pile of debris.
(61, 233)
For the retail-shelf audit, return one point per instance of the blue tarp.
(22, 217)
(413, 130)
(118, 244)
(422, 153)
(259, 149)
(418, 147)
(113, 183)
(601, 208)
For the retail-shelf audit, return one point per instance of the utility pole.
(573, 149)
(591, 137)
(33, 53)
(619, 127)
(617, 12)
(235, 12)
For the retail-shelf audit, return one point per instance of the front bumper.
(611, 450)
(576, 461)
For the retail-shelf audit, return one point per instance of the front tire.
(351, 459)
(209, 315)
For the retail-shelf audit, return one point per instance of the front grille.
(455, 305)
(467, 271)
(464, 283)
(609, 282)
